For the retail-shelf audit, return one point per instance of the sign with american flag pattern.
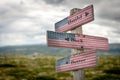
(77, 61)
(81, 17)
(76, 41)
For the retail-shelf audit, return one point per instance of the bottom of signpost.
(79, 74)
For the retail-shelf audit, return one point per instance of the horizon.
(36, 44)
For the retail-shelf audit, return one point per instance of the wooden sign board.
(81, 17)
(76, 41)
(77, 61)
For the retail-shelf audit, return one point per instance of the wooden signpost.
(76, 41)
(81, 17)
(79, 59)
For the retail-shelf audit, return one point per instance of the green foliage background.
(40, 67)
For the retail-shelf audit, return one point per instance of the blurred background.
(24, 54)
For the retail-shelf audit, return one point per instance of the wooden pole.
(78, 74)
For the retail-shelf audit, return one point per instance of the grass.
(21, 67)
(107, 69)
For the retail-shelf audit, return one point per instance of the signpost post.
(77, 74)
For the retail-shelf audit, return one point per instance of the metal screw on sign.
(78, 74)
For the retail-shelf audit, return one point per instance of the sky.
(25, 22)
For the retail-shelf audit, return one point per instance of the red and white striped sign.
(76, 41)
(77, 61)
(81, 17)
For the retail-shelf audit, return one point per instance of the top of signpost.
(81, 17)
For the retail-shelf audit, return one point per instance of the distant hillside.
(43, 49)
(30, 49)
(115, 48)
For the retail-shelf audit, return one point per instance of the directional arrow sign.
(77, 61)
(76, 41)
(81, 17)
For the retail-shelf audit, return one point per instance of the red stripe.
(81, 21)
(75, 25)
(92, 64)
(83, 57)
(61, 70)
(75, 66)
(90, 61)
(87, 45)
(82, 10)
